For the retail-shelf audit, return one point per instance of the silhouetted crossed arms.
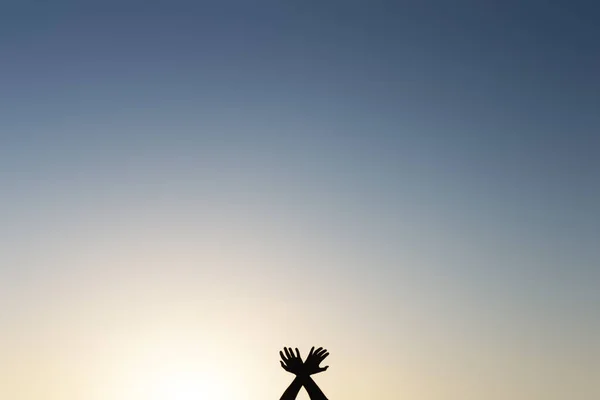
(293, 364)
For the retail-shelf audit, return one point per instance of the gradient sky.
(186, 187)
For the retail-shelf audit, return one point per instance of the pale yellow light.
(167, 368)
(177, 381)
(185, 386)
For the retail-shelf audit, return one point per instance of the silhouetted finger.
(318, 351)
(298, 353)
(282, 356)
(310, 353)
(283, 366)
(324, 355)
(288, 353)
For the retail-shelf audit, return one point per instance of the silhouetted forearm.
(292, 391)
(313, 390)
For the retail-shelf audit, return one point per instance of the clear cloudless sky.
(187, 187)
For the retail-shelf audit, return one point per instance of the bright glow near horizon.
(178, 378)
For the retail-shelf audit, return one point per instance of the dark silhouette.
(293, 364)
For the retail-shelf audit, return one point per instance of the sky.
(187, 187)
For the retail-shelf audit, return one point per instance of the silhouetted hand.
(314, 359)
(292, 362)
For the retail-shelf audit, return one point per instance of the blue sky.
(433, 165)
